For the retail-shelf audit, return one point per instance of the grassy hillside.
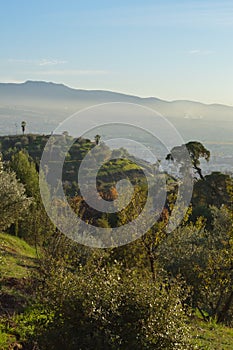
(17, 259)
(209, 336)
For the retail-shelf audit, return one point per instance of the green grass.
(210, 336)
(16, 256)
(6, 340)
(17, 259)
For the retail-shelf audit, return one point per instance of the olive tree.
(204, 258)
(101, 307)
(13, 200)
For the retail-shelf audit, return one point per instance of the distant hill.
(45, 104)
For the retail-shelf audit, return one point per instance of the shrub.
(105, 308)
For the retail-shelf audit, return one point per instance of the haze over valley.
(43, 105)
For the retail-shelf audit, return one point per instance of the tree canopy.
(13, 200)
(196, 151)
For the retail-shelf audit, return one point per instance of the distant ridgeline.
(110, 172)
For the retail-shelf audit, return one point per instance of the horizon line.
(18, 82)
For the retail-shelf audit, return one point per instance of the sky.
(167, 49)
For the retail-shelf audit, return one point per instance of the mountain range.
(43, 105)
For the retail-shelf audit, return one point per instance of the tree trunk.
(222, 314)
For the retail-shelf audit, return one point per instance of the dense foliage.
(13, 201)
(139, 296)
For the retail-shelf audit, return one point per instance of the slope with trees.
(149, 294)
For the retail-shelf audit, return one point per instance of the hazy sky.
(169, 49)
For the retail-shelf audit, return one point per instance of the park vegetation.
(150, 294)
